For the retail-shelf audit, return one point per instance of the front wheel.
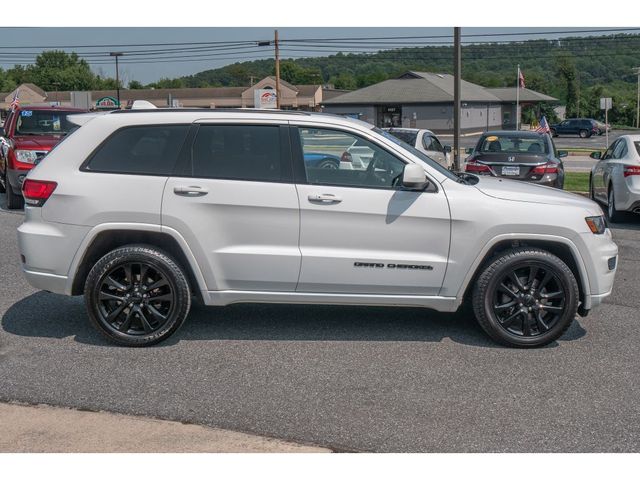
(584, 134)
(137, 295)
(525, 297)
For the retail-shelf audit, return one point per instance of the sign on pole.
(605, 104)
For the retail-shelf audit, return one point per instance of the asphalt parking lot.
(354, 379)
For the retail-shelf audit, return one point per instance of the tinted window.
(44, 122)
(238, 152)
(432, 144)
(637, 144)
(513, 144)
(150, 149)
(620, 150)
(359, 163)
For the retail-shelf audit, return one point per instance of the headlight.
(597, 225)
(26, 156)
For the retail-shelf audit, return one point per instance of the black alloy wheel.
(525, 297)
(529, 300)
(137, 295)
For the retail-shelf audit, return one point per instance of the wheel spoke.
(161, 298)
(503, 288)
(110, 296)
(516, 281)
(116, 312)
(109, 280)
(143, 273)
(504, 306)
(540, 322)
(526, 328)
(158, 283)
(548, 276)
(154, 311)
(127, 321)
(145, 323)
(128, 277)
(551, 308)
(509, 320)
(549, 296)
(533, 271)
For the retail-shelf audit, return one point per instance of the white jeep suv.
(142, 210)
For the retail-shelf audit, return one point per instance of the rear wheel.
(14, 201)
(137, 296)
(584, 134)
(526, 297)
(614, 215)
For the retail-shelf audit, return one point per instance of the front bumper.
(603, 255)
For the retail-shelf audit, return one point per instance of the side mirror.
(413, 177)
(447, 149)
(596, 155)
(469, 150)
(562, 153)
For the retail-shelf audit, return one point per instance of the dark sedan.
(526, 156)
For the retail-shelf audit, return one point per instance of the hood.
(37, 142)
(505, 189)
(503, 157)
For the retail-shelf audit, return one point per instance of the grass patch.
(576, 181)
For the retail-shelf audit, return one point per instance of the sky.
(97, 41)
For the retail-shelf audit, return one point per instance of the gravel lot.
(355, 379)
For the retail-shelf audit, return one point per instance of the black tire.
(592, 194)
(14, 201)
(120, 275)
(615, 216)
(3, 182)
(329, 164)
(533, 306)
(584, 134)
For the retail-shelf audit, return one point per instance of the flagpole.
(518, 99)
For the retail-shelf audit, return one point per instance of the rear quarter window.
(151, 150)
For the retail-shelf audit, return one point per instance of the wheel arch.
(104, 239)
(561, 247)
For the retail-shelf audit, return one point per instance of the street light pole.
(277, 71)
(117, 54)
(637, 69)
(457, 67)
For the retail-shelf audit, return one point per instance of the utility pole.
(457, 68)
(637, 69)
(117, 54)
(277, 71)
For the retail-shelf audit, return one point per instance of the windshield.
(513, 144)
(44, 122)
(407, 137)
(425, 158)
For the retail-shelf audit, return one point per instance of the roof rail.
(225, 110)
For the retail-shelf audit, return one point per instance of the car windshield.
(425, 158)
(513, 144)
(44, 122)
(407, 137)
(637, 144)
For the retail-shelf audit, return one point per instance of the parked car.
(141, 210)
(583, 127)
(602, 127)
(615, 179)
(425, 141)
(29, 133)
(518, 155)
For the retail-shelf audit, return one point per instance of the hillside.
(584, 67)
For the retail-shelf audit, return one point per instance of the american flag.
(544, 126)
(15, 103)
(520, 78)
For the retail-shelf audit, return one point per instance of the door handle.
(324, 198)
(190, 191)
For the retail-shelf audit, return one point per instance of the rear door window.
(150, 150)
(432, 144)
(239, 152)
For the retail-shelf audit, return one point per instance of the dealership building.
(425, 100)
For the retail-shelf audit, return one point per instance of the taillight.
(473, 166)
(36, 192)
(544, 169)
(630, 170)
(346, 157)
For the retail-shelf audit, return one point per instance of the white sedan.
(615, 179)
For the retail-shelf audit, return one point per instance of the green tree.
(135, 85)
(566, 70)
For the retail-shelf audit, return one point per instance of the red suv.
(29, 133)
